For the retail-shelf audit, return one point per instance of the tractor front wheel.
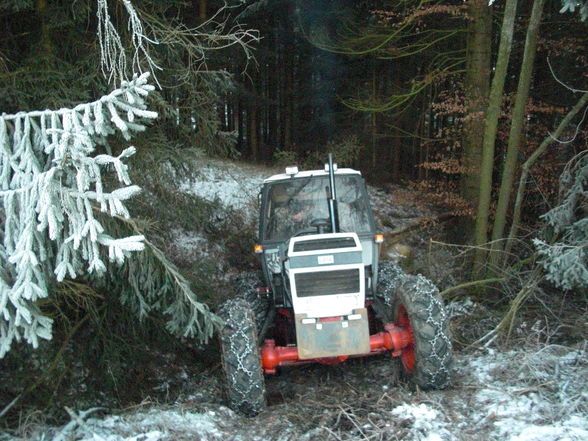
(417, 308)
(241, 359)
(247, 285)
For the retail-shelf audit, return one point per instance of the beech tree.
(509, 165)
(490, 130)
(476, 89)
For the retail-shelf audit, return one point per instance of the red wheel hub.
(407, 354)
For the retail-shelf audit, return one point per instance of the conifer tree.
(51, 185)
(61, 213)
(565, 257)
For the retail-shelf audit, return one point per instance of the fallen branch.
(419, 223)
(507, 322)
(470, 284)
(76, 421)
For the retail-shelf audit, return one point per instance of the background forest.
(478, 109)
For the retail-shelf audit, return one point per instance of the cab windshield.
(292, 206)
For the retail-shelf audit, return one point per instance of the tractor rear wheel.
(417, 308)
(241, 359)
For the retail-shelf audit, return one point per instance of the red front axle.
(393, 339)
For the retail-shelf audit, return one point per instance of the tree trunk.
(288, 105)
(490, 129)
(240, 126)
(253, 139)
(202, 8)
(373, 120)
(477, 86)
(46, 44)
(516, 128)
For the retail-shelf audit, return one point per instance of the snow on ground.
(519, 395)
(235, 186)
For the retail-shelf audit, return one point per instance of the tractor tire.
(246, 286)
(417, 306)
(241, 359)
(389, 277)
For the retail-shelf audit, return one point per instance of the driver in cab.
(293, 216)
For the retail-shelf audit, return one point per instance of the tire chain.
(246, 285)
(428, 319)
(389, 277)
(240, 358)
(429, 322)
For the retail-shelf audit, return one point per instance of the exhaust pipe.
(333, 212)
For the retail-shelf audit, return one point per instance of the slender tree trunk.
(396, 146)
(516, 128)
(240, 126)
(490, 130)
(46, 44)
(202, 10)
(288, 107)
(253, 131)
(253, 115)
(526, 168)
(477, 86)
(373, 120)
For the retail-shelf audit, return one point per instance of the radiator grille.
(326, 283)
(324, 244)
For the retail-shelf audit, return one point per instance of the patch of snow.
(190, 242)
(519, 395)
(426, 422)
(573, 429)
(153, 425)
(233, 187)
(525, 395)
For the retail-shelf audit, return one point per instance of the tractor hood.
(326, 274)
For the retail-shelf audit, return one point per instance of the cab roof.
(310, 173)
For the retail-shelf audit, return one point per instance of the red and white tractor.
(325, 295)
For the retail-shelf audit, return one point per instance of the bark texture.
(516, 128)
(490, 130)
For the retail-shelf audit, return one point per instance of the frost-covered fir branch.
(566, 260)
(52, 189)
(149, 281)
(113, 58)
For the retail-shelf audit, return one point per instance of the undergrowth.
(101, 354)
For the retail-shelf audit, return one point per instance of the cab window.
(292, 205)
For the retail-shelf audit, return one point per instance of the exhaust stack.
(333, 212)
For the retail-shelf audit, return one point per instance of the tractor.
(325, 296)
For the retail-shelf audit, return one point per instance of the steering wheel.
(320, 224)
(304, 232)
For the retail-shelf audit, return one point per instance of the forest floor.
(531, 394)
(533, 388)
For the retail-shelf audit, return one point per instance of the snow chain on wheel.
(246, 286)
(240, 358)
(417, 306)
(389, 276)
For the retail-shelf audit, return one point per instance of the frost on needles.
(52, 191)
(565, 256)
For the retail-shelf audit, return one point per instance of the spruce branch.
(48, 181)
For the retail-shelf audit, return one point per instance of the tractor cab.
(314, 237)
